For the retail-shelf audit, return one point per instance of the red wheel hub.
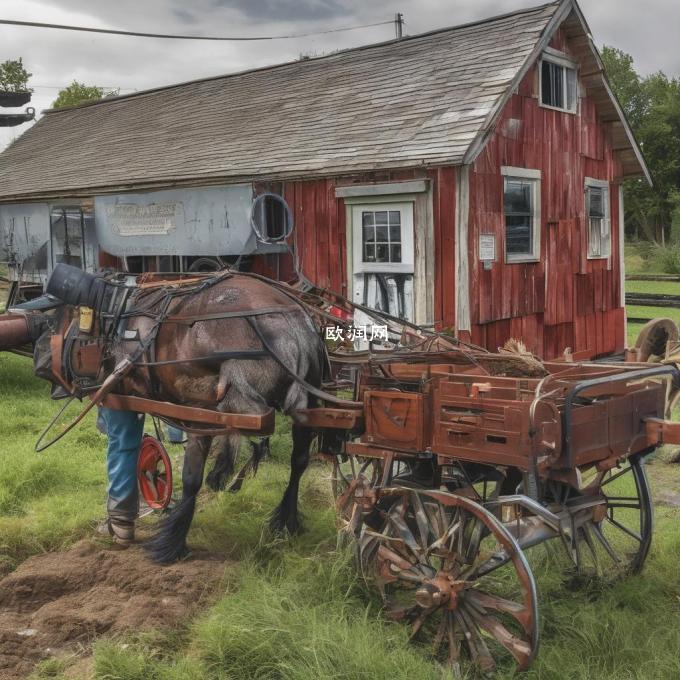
(154, 473)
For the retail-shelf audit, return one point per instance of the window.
(558, 83)
(67, 227)
(381, 235)
(597, 211)
(521, 207)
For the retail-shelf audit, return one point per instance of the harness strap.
(191, 320)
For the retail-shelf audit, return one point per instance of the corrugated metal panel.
(198, 221)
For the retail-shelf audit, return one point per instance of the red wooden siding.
(319, 237)
(564, 300)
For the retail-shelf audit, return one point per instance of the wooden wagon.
(450, 471)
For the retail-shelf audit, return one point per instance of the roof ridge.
(269, 67)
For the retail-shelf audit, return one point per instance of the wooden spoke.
(351, 478)
(425, 566)
(616, 539)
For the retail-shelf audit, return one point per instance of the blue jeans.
(124, 430)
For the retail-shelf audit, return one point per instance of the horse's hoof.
(285, 526)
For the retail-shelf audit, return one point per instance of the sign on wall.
(192, 221)
(128, 219)
(487, 247)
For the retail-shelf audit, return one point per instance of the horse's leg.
(285, 517)
(168, 544)
(260, 451)
(223, 468)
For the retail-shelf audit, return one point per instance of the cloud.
(56, 58)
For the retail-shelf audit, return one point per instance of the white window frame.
(591, 183)
(406, 266)
(561, 59)
(534, 176)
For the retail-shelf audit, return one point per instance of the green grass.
(296, 609)
(657, 287)
(46, 500)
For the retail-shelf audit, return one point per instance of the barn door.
(383, 258)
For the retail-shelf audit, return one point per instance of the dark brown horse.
(194, 330)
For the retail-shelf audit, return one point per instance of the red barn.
(470, 177)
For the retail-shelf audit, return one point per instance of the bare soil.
(60, 601)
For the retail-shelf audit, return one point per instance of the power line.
(86, 29)
(61, 87)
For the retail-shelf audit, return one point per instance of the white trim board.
(417, 186)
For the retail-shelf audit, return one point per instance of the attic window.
(558, 83)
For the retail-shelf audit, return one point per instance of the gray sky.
(646, 30)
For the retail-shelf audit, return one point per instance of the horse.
(233, 342)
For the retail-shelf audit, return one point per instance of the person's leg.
(124, 430)
(175, 435)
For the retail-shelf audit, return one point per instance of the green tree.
(13, 76)
(652, 106)
(78, 93)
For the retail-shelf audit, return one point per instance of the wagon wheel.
(448, 567)
(353, 480)
(154, 473)
(616, 540)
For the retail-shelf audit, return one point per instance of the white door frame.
(419, 194)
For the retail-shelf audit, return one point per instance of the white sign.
(129, 219)
(487, 247)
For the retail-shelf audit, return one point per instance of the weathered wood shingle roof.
(419, 101)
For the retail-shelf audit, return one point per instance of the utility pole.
(399, 25)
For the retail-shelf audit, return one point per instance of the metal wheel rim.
(623, 536)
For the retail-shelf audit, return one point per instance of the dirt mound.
(54, 601)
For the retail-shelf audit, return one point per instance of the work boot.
(121, 531)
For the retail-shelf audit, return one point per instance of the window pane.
(395, 233)
(518, 235)
(382, 253)
(369, 253)
(395, 253)
(552, 84)
(395, 217)
(571, 89)
(517, 198)
(381, 217)
(381, 233)
(367, 218)
(595, 237)
(595, 202)
(369, 234)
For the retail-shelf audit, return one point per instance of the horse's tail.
(168, 544)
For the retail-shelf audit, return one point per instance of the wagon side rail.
(672, 434)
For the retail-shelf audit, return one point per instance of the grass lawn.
(646, 312)
(296, 608)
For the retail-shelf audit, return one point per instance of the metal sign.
(487, 247)
(128, 219)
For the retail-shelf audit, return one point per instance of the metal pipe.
(14, 331)
(666, 371)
